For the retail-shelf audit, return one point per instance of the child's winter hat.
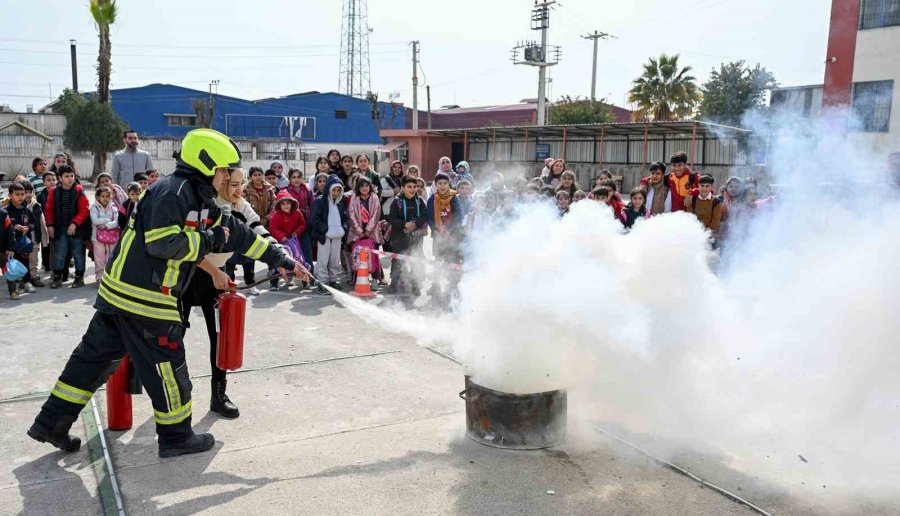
(283, 197)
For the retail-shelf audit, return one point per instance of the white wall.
(159, 148)
(878, 59)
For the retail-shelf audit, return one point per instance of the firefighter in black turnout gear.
(175, 225)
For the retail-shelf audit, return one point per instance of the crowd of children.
(345, 208)
(49, 223)
(662, 191)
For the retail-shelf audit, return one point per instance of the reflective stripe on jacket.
(164, 239)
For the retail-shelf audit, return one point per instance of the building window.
(879, 13)
(802, 101)
(871, 106)
(340, 113)
(177, 120)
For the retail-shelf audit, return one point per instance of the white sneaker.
(253, 291)
(28, 287)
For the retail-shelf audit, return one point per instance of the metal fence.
(619, 151)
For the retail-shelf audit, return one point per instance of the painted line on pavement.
(445, 355)
(679, 469)
(41, 395)
(304, 362)
(25, 397)
(101, 462)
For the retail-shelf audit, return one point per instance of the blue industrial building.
(165, 110)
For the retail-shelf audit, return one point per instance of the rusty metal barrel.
(514, 421)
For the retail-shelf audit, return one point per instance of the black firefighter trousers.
(156, 349)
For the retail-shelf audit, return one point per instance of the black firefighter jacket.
(167, 235)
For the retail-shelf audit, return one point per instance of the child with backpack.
(19, 245)
(364, 212)
(105, 221)
(286, 225)
(38, 234)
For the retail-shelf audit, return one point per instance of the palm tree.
(664, 92)
(104, 14)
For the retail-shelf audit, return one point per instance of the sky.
(272, 48)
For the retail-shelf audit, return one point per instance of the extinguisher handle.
(232, 286)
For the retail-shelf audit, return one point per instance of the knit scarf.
(441, 203)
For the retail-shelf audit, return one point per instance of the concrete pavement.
(338, 417)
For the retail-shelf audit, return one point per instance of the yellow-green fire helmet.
(206, 150)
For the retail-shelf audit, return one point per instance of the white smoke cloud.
(789, 347)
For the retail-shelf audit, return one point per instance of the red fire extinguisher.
(232, 307)
(118, 398)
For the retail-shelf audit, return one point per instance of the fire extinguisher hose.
(269, 278)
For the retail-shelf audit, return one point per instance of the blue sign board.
(541, 151)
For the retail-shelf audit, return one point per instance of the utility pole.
(415, 80)
(74, 65)
(537, 54)
(597, 35)
(542, 10)
(211, 109)
(428, 95)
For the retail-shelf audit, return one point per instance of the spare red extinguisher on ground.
(232, 309)
(118, 398)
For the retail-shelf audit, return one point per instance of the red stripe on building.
(841, 51)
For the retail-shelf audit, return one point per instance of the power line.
(24, 96)
(194, 56)
(686, 10)
(158, 68)
(218, 47)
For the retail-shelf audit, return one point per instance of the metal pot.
(515, 421)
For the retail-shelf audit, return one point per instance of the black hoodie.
(405, 210)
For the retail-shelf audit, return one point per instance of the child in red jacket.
(66, 211)
(286, 225)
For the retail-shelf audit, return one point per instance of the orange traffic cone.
(363, 287)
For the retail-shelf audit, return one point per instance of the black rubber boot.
(194, 444)
(219, 401)
(57, 436)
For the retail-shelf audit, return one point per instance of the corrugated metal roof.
(482, 109)
(591, 130)
(49, 124)
(24, 128)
